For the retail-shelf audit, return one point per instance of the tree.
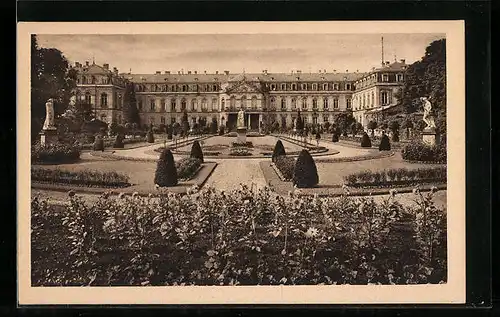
(119, 141)
(184, 123)
(407, 124)
(213, 126)
(130, 111)
(305, 173)
(394, 127)
(344, 121)
(326, 126)
(427, 78)
(166, 172)
(365, 140)
(384, 145)
(279, 150)
(372, 125)
(196, 151)
(51, 77)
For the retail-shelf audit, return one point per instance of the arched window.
(294, 86)
(152, 105)
(88, 98)
(162, 120)
(223, 103)
(162, 103)
(348, 103)
(283, 103)
(183, 104)
(84, 80)
(254, 102)
(273, 103)
(233, 102)
(93, 79)
(335, 103)
(384, 96)
(325, 86)
(184, 88)
(315, 104)
(173, 105)
(104, 99)
(373, 99)
(243, 102)
(314, 86)
(214, 88)
(294, 103)
(304, 103)
(214, 104)
(204, 104)
(194, 105)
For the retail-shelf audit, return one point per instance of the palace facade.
(266, 97)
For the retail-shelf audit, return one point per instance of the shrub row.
(286, 165)
(419, 151)
(54, 153)
(396, 175)
(240, 151)
(85, 177)
(246, 144)
(186, 167)
(203, 238)
(109, 142)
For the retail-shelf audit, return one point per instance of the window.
(303, 87)
(162, 104)
(214, 88)
(304, 104)
(104, 100)
(325, 86)
(294, 103)
(204, 104)
(335, 86)
(347, 86)
(314, 86)
(283, 103)
(335, 103)
(273, 103)
(214, 104)
(173, 105)
(194, 105)
(385, 78)
(84, 80)
(88, 98)
(348, 103)
(184, 88)
(139, 104)
(172, 120)
(93, 79)
(384, 96)
(325, 118)
(233, 102)
(294, 86)
(399, 77)
(162, 120)
(315, 119)
(283, 86)
(152, 105)
(273, 87)
(373, 99)
(254, 102)
(364, 101)
(223, 103)
(243, 102)
(315, 104)
(183, 104)
(120, 101)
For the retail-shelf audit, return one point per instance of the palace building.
(266, 97)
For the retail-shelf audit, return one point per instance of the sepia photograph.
(231, 157)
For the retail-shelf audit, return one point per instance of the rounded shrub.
(119, 141)
(98, 143)
(221, 131)
(365, 140)
(335, 136)
(305, 173)
(196, 151)
(279, 150)
(149, 137)
(54, 153)
(385, 144)
(166, 172)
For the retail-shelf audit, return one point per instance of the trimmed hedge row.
(54, 153)
(419, 151)
(285, 165)
(186, 167)
(85, 177)
(397, 175)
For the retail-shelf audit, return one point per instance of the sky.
(252, 53)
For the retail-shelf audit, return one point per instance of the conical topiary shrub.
(150, 137)
(279, 150)
(365, 140)
(98, 143)
(118, 141)
(196, 151)
(305, 173)
(166, 172)
(335, 136)
(385, 144)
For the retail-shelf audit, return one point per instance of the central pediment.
(241, 85)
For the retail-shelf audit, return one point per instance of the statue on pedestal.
(240, 123)
(428, 117)
(49, 117)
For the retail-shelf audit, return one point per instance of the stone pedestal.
(429, 136)
(241, 135)
(48, 136)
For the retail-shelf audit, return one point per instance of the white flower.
(311, 232)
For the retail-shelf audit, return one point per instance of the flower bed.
(109, 142)
(86, 177)
(187, 167)
(54, 153)
(371, 156)
(242, 237)
(246, 144)
(240, 151)
(421, 152)
(285, 165)
(399, 176)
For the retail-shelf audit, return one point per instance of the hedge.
(398, 175)
(53, 153)
(85, 177)
(419, 151)
(285, 165)
(187, 166)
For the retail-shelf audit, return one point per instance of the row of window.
(87, 98)
(184, 105)
(103, 80)
(325, 103)
(374, 78)
(367, 100)
(309, 86)
(177, 88)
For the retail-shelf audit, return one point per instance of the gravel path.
(230, 173)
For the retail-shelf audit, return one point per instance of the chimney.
(226, 72)
(106, 66)
(158, 72)
(86, 63)
(402, 61)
